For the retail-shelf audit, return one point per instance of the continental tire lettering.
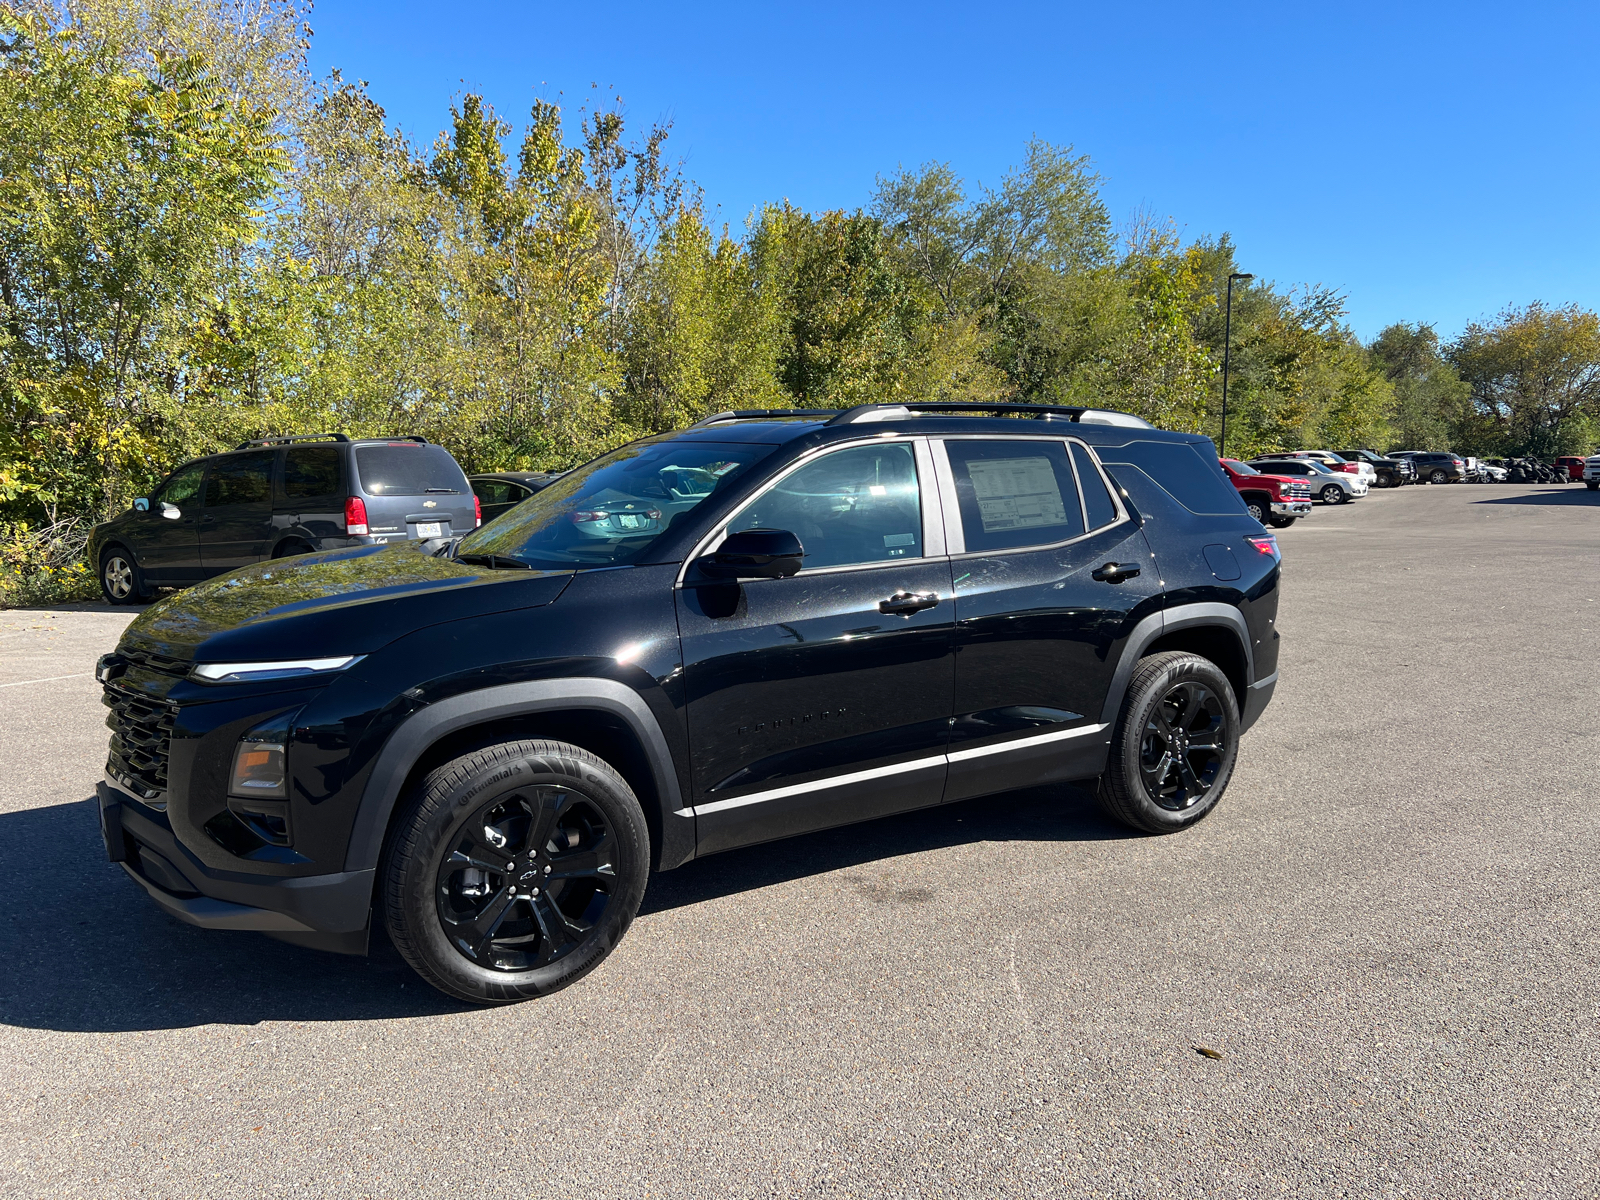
(498, 777)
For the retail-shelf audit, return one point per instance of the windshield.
(1239, 468)
(408, 469)
(1317, 467)
(609, 512)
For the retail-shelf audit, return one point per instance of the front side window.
(1014, 492)
(609, 512)
(183, 487)
(240, 479)
(849, 507)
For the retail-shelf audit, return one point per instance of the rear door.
(1040, 622)
(311, 491)
(812, 702)
(236, 527)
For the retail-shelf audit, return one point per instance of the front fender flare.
(413, 736)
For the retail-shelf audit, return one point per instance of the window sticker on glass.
(1016, 493)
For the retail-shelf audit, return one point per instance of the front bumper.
(330, 911)
(1290, 508)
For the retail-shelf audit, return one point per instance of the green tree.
(1534, 375)
(1431, 407)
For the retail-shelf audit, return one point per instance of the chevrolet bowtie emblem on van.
(430, 504)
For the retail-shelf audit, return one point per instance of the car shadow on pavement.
(84, 950)
(1567, 497)
(1051, 813)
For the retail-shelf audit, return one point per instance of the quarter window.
(1014, 493)
(860, 505)
(310, 471)
(1098, 505)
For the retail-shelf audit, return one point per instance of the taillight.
(654, 514)
(477, 512)
(580, 518)
(1266, 544)
(355, 515)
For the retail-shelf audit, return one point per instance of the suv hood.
(321, 605)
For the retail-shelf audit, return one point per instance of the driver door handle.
(1114, 572)
(905, 603)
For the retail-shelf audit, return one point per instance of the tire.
(1385, 481)
(291, 548)
(1332, 494)
(1131, 790)
(1282, 522)
(1591, 484)
(121, 580)
(1257, 510)
(489, 807)
(1438, 477)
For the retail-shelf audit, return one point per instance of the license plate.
(428, 529)
(628, 522)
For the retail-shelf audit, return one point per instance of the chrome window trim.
(955, 535)
(919, 450)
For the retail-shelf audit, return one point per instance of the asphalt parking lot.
(1387, 931)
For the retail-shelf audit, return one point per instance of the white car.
(1489, 473)
(1326, 484)
(1364, 469)
(1591, 472)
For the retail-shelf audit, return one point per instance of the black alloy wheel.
(1175, 743)
(1332, 494)
(1182, 751)
(121, 581)
(1438, 477)
(513, 871)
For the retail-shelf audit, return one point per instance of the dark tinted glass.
(491, 491)
(240, 479)
(859, 505)
(408, 469)
(1014, 492)
(1097, 502)
(1194, 482)
(310, 471)
(611, 510)
(183, 487)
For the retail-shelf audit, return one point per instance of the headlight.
(249, 672)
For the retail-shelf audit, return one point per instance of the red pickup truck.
(1276, 500)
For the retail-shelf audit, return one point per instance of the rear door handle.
(1114, 572)
(905, 603)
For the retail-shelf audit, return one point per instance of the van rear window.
(407, 469)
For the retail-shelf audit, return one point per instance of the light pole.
(1227, 340)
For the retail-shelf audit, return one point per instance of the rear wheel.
(121, 581)
(1438, 477)
(1175, 744)
(291, 547)
(1332, 494)
(514, 871)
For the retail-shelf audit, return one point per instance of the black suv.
(1437, 466)
(1392, 472)
(770, 623)
(275, 497)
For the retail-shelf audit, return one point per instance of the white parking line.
(52, 679)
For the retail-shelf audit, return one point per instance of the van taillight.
(477, 512)
(355, 515)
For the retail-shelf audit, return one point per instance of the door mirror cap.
(754, 554)
(170, 511)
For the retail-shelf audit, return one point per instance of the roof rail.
(409, 437)
(285, 439)
(1048, 412)
(754, 414)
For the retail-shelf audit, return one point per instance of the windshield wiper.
(495, 560)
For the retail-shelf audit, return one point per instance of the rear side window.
(408, 469)
(310, 471)
(1014, 493)
(1181, 472)
(240, 479)
(1097, 503)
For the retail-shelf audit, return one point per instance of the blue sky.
(1433, 162)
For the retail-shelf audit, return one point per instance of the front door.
(824, 698)
(1040, 622)
(237, 524)
(167, 540)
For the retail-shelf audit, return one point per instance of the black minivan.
(274, 497)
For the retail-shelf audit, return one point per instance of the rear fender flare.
(413, 737)
(1157, 625)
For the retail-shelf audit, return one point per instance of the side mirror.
(754, 554)
(142, 504)
(170, 511)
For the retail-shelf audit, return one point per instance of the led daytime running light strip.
(241, 672)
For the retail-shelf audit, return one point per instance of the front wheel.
(1257, 511)
(1591, 484)
(1282, 522)
(1176, 740)
(1332, 494)
(514, 871)
(121, 581)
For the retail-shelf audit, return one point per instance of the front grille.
(164, 664)
(141, 740)
(1298, 491)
